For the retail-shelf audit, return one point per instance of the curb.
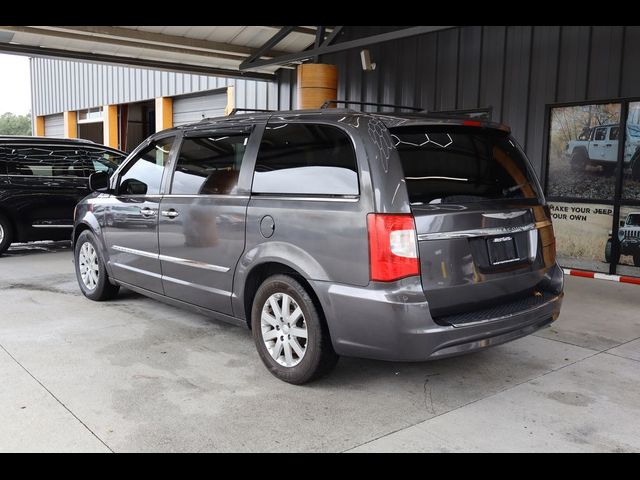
(601, 276)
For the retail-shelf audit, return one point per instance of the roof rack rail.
(236, 110)
(372, 104)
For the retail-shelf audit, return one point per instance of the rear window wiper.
(508, 191)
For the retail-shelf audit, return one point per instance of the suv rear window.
(57, 160)
(449, 164)
(300, 158)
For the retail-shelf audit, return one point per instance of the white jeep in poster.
(629, 237)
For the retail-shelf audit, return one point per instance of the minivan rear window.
(453, 164)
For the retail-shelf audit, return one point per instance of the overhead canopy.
(251, 51)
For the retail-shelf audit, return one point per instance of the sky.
(15, 84)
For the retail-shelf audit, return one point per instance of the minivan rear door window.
(456, 164)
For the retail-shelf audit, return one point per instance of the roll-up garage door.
(193, 108)
(54, 126)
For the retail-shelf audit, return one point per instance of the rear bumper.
(392, 322)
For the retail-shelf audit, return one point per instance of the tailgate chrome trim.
(482, 232)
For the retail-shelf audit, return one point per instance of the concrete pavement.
(137, 375)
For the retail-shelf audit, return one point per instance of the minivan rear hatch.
(484, 235)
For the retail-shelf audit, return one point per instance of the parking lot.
(137, 375)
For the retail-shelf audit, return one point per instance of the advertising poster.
(582, 232)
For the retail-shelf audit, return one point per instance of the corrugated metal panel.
(630, 66)
(574, 63)
(54, 126)
(606, 55)
(59, 85)
(193, 108)
(517, 70)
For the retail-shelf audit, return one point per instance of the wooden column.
(164, 113)
(39, 126)
(70, 124)
(110, 123)
(231, 99)
(317, 83)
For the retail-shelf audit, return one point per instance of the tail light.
(393, 249)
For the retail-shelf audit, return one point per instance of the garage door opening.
(90, 126)
(137, 122)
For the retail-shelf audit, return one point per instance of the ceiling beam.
(145, 40)
(166, 39)
(357, 43)
(119, 42)
(272, 42)
(80, 56)
(332, 36)
(305, 30)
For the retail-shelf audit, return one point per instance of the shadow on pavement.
(23, 249)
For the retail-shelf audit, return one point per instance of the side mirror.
(621, 223)
(99, 182)
(131, 186)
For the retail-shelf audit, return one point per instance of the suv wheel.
(6, 233)
(607, 251)
(291, 337)
(90, 270)
(578, 162)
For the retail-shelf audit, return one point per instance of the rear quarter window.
(305, 159)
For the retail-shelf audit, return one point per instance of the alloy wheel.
(284, 329)
(88, 263)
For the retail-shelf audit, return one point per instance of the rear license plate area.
(502, 250)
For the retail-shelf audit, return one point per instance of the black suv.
(42, 180)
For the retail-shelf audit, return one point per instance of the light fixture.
(367, 64)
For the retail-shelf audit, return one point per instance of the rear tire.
(277, 323)
(6, 233)
(607, 251)
(578, 161)
(90, 269)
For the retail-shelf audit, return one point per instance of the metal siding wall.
(492, 68)
(63, 85)
(54, 126)
(447, 74)
(630, 66)
(574, 63)
(542, 88)
(469, 67)
(606, 56)
(516, 86)
(517, 70)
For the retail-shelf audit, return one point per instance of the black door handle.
(608, 145)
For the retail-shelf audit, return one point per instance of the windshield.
(633, 220)
(451, 164)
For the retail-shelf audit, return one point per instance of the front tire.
(289, 332)
(6, 233)
(90, 269)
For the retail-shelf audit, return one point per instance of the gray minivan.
(333, 232)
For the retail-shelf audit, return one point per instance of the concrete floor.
(137, 375)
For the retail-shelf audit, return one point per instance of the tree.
(11, 124)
